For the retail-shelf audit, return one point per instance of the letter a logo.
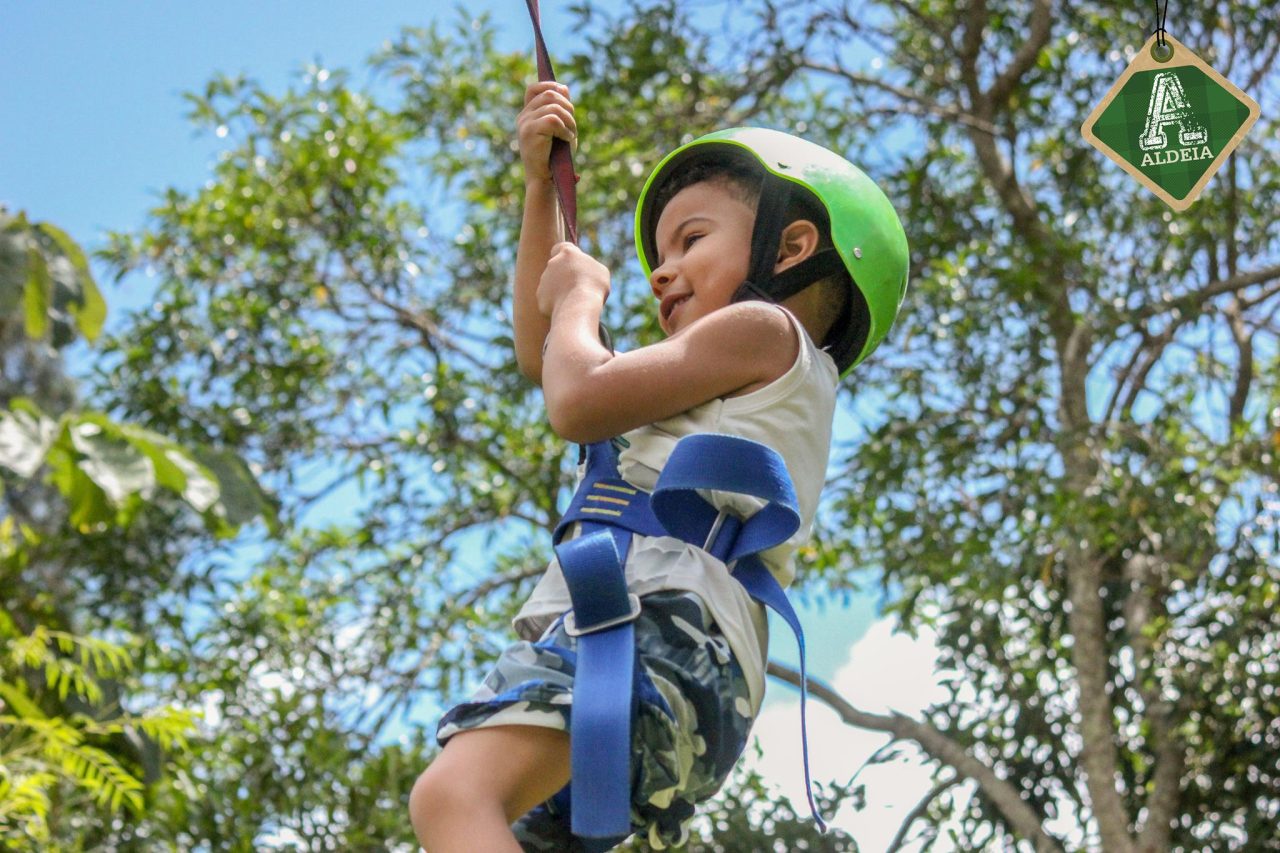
(1160, 94)
(1168, 105)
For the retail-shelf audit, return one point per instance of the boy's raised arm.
(540, 229)
(547, 113)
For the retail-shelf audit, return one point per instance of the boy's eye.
(689, 240)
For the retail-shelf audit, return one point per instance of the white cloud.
(885, 671)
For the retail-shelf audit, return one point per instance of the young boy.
(757, 245)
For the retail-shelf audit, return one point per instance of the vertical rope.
(563, 177)
(562, 174)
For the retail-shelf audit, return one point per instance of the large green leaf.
(37, 294)
(201, 490)
(175, 469)
(123, 460)
(46, 271)
(25, 437)
(14, 245)
(241, 497)
(89, 506)
(86, 305)
(112, 462)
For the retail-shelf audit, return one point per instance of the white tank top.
(793, 415)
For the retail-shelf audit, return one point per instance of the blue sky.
(92, 129)
(92, 120)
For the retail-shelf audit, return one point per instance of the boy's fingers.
(535, 89)
(563, 116)
(549, 123)
(555, 126)
(543, 99)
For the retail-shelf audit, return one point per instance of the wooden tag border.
(1144, 61)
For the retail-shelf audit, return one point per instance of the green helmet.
(865, 230)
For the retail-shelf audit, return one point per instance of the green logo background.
(1123, 121)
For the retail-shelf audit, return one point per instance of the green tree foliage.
(66, 756)
(46, 288)
(1064, 459)
(1069, 463)
(80, 739)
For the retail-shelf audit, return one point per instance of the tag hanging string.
(562, 174)
(1161, 17)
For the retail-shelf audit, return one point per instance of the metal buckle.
(715, 529)
(571, 623)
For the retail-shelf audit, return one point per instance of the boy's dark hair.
(743, 182)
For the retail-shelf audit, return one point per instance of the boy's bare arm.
(540, 229)
(547, 114)
(592, 394)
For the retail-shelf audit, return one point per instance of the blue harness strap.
(609, 511)
(733, 464)
(603, 696)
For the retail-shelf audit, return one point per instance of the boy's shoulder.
(753, 323)
(753, 315)
(758, 332)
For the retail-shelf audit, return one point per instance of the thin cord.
(1161, 17)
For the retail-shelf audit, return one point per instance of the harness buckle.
(723, 534)
(715, 529)
(571, 622)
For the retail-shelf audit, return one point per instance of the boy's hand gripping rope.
(562, 174)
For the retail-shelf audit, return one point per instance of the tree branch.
(1000, 793)
(1244, 371)
(1166, 782)
(1168, 750)
(931, 107)
(1037, 38)
(900, 838)
(1184, 309)
(995, 167)
(1089, 657)
(1190, 302)
(1254, 301)
(1154, 347)
(1122, 376)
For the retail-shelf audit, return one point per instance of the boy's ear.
(799, 241)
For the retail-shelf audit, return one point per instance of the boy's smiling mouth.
(669, 303)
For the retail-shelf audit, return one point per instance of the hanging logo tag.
(1171, 121)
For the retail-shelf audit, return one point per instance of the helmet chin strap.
(766, 236)
(763, 284)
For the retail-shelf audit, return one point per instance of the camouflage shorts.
(693, 720)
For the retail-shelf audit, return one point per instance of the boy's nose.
(659, 279)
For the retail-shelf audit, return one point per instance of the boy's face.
(704, 247)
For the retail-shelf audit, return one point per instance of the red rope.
(562, 174)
